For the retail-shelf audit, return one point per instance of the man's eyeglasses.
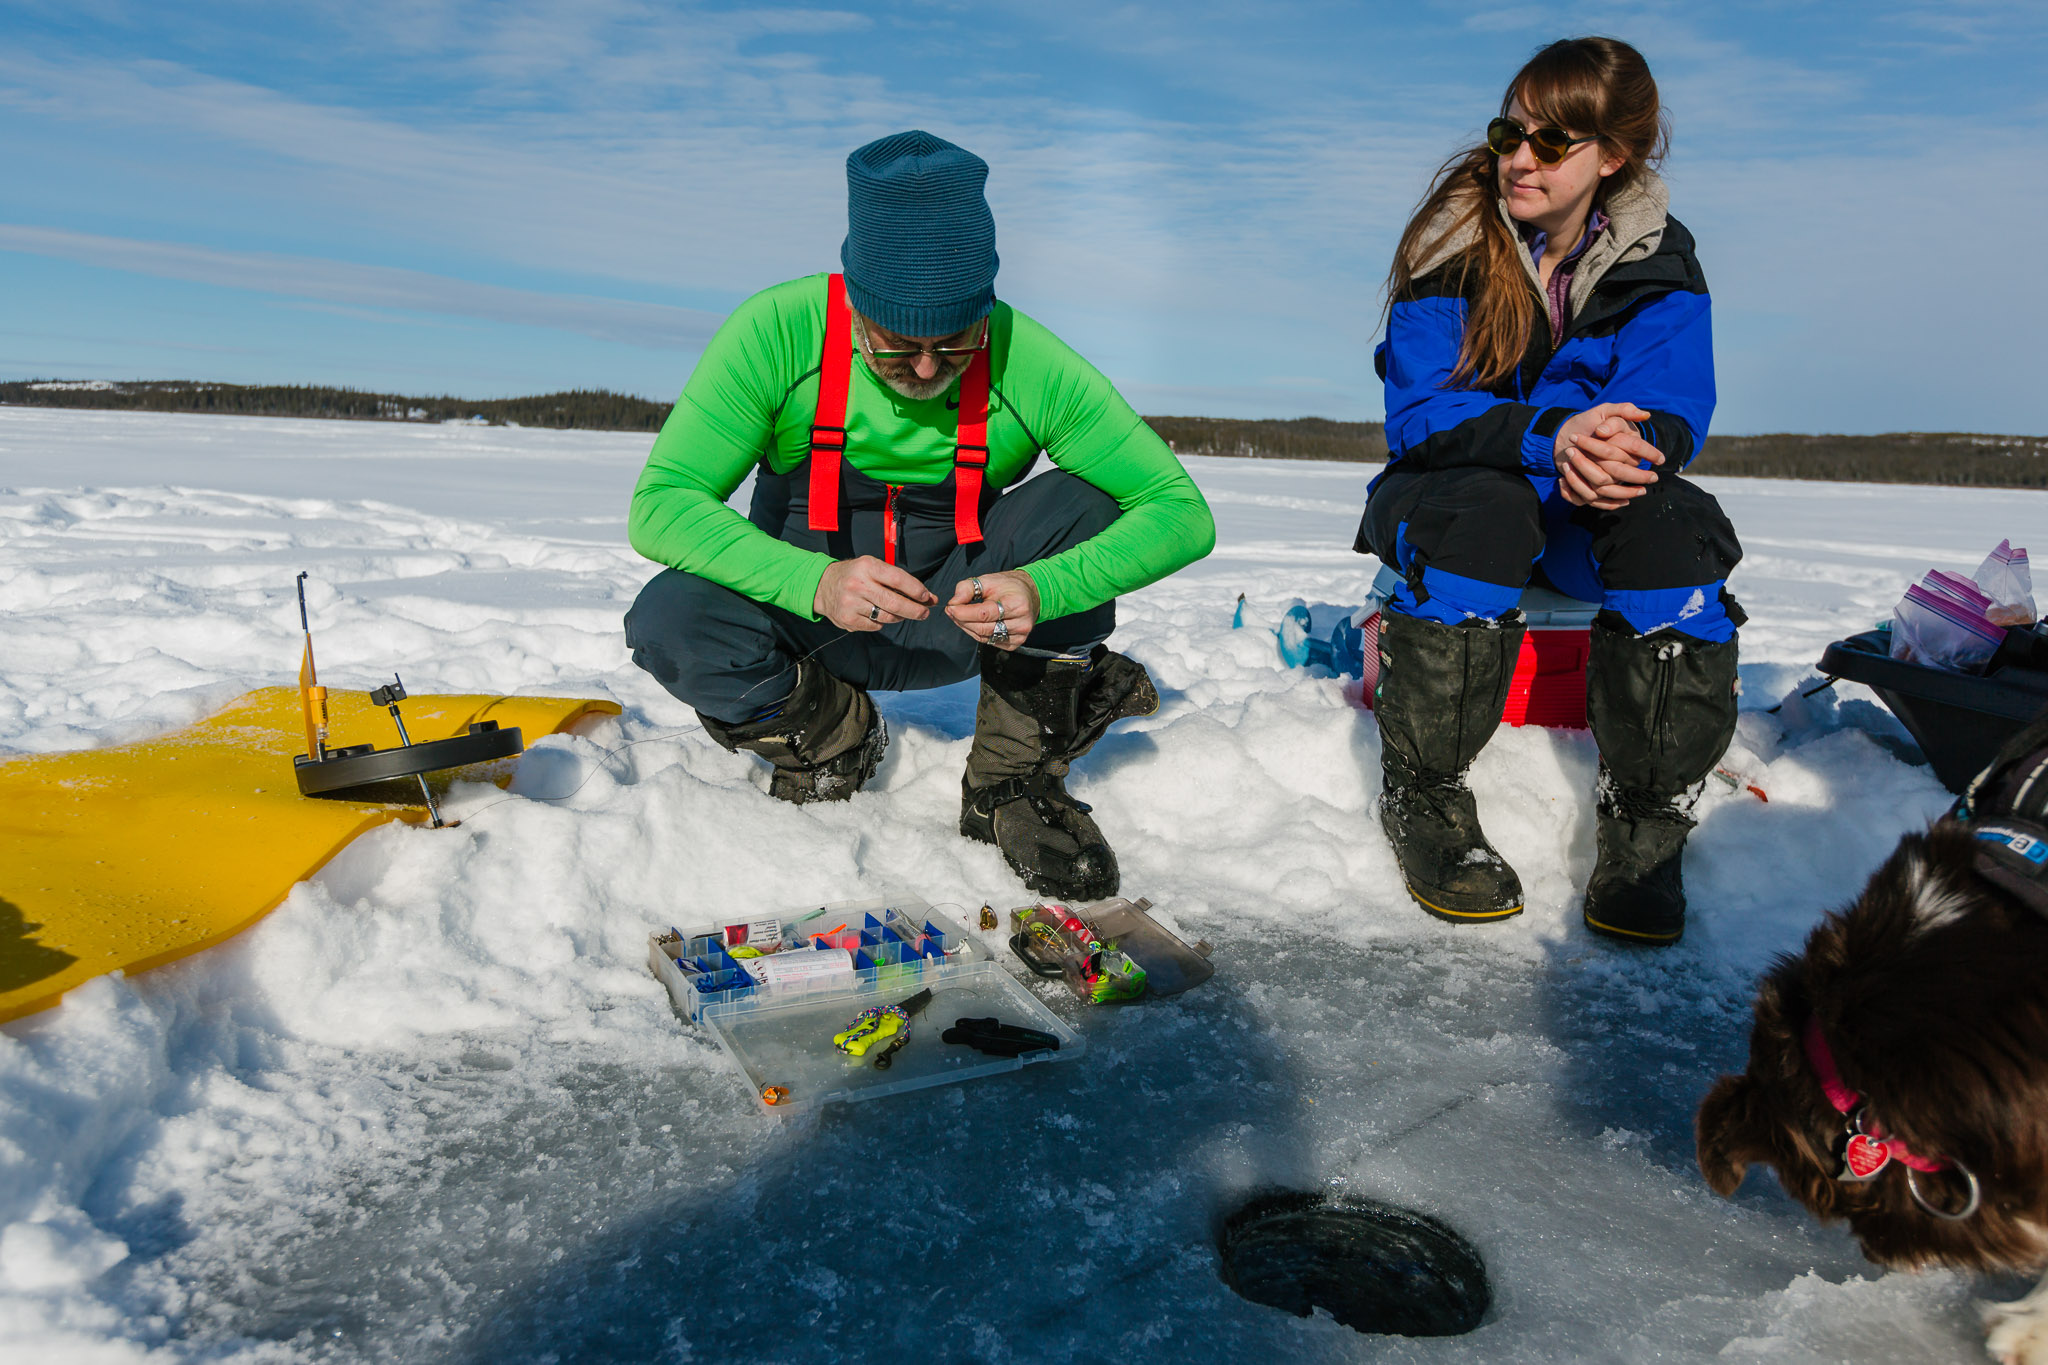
(900, 353)
(1505, 136)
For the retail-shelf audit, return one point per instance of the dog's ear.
(1731, 1132)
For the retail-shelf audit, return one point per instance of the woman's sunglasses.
(1505, 137)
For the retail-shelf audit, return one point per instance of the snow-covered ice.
(435, 1108)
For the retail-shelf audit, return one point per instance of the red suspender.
(971, 456)
(828, 428)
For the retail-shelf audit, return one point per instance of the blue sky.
(498, 198)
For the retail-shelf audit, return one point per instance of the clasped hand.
(1599, 457)
(867, 594)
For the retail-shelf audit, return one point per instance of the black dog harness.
(2006, 811)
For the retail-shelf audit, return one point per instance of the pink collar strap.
(1865, 1152)
(1864, 1155)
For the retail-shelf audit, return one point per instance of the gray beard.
(913, 388)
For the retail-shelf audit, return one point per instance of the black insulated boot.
(1036, 716)
(1662, 708)
(1442, 690)
(825, 742)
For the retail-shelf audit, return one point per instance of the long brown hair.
(1600, 86)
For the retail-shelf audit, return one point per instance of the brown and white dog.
(1898, 1067)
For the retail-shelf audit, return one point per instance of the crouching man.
(889, 415)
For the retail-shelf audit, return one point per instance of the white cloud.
(371, 286)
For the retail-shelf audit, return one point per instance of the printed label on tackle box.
(784, 969)
(760, 933)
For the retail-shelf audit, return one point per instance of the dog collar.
(1862, 1151)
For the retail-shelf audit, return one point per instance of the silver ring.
(999, 609)
(1970, 1205)
(975, 585)
(874, 611)
(999, 634)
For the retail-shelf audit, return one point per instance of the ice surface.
(434, 1108)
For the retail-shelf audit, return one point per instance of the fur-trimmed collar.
(1635, 226)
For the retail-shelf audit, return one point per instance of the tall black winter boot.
(1442, 690)
(824, 742)
(1036, 716)
(1662, 707)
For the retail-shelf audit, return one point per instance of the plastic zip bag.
(1947, 620)
(1933, 629)
(2007, 580)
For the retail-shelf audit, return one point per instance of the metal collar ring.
(1970, 1205)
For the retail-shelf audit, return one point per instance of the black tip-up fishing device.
(345, 772)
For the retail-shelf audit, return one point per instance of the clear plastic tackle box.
(774, 991)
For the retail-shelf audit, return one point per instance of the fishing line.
(610, 754)
(597, 768)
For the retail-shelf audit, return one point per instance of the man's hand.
(1008, 597)
(1599, 457)
(866, 594)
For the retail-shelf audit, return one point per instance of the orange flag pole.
(312, 696)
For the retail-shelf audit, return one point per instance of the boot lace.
(1446, 795)
(1640, 806)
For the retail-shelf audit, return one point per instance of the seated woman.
(1549, 370)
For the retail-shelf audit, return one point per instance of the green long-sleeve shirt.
(754, 394)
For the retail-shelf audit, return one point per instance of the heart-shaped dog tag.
(1864, 1157)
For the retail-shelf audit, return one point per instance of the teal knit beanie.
(920, 252)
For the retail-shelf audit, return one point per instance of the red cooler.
(1549, 686)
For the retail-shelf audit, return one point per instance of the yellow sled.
(134, 856)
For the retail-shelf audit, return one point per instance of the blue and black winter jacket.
(1643, 336)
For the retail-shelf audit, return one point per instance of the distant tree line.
(1897, 457)
(585, 409)
(1900, 457)
(1300, 438)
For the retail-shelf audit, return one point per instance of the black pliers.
(999, 1039)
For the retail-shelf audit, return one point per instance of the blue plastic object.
(1342, 651)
